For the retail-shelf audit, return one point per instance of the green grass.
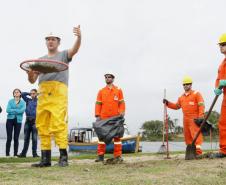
(137, 169)
(78, 157)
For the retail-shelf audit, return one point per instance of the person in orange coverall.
(221, 83)
(192, 105)
(109, 103)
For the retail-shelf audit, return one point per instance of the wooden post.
(137, 143)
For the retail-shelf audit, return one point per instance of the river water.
(174, 146)
(146, 147)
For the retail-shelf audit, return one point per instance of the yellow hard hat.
(52, 35)
(187, 80)
(222, 38)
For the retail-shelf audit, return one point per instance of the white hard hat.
(51, 34)
(110, 73)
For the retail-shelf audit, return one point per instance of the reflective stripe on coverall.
(51, 119)
(222, 120)
(110, 102)
(192, 105)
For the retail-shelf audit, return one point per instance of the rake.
(163, 149)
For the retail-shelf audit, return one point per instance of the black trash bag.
(107, 129)
(206, 127)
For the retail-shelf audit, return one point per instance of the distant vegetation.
(153, 129)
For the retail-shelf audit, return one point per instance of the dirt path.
(134, 159)
(127, 159)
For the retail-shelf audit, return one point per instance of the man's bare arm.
(76, 46)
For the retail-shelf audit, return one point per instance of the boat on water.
(84, 139)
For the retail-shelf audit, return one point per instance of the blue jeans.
(12, 127)
(30, 129)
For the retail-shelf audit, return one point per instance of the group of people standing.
(51, 117)
(46, 109)
(192, 104)
(20, 103)
(47, 114)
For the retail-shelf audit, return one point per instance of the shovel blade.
(190, 152)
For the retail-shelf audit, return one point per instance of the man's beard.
(108, 83)
(188, 89)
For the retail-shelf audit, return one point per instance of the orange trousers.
(190, 130)
(222, 127)
(101, 147)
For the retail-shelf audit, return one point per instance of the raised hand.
(77, 31)
(165, 101)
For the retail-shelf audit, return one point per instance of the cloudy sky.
(149, 45)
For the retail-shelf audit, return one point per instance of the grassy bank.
(136, 170)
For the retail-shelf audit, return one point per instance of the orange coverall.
(222, 120)
(110, 102)
(192, 105)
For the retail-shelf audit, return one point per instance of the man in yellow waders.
(51, 118)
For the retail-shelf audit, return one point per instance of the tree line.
(153, 129)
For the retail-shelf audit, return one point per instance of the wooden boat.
(85, 140)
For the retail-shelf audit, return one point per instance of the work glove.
(165, 101)
(98, 118)
(206, 127)
(122, 114)
(198, 121)
(222, 83)
(217, 91)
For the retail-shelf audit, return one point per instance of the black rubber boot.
(45, 159)
(35, 154)
(63, 161)
(100, 158)
(118, 160)
(115, 160)
(21, 155)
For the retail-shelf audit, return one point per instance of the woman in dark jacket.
(15, 110)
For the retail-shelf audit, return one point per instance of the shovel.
(191, 148)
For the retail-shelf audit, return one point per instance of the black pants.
(30, 129)
(12, 127)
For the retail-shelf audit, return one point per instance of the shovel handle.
(205, 119)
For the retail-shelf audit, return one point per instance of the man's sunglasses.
(186, 84)
(222, 44)
(108, 77)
